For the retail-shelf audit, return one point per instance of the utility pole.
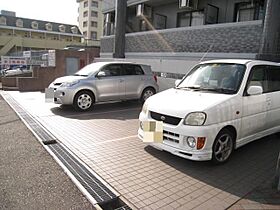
(270, 43)
(119, 43)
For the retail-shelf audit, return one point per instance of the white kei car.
(217, 107)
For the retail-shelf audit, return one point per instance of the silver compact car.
(103, 82)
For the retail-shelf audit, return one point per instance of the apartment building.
(91, 21)
(173, 35)
(19, 34)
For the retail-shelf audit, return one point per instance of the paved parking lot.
(105, 139)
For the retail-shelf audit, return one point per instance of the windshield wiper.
(82, 75)
(190, 87)
(220, 90)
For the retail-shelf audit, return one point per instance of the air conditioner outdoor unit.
(188, 4)
(143, 10)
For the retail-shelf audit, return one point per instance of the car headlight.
(69, 84)
(191, 141)
(195, 118)
(145, 108)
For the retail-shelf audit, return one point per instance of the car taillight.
(155, 78)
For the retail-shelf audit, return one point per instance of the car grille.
(169, 136)
(165, 118)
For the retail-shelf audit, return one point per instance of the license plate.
(153, 131)
(49, 95)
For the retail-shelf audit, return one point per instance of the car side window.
(112, 70)
(257, 77)
(273, 73)
(133, 70)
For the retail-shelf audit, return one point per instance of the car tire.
(147, 92)
(222, 147)
(83, 100)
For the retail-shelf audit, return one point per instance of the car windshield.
(217, 77)
(89, 69)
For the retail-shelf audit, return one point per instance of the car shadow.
(249, 167)
(117, 110)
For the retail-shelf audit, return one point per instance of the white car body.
(249, 117)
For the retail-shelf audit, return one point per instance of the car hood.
(178, 102)
(68, 79)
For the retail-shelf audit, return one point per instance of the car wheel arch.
(85, 89)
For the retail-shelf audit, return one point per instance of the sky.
(60, 11)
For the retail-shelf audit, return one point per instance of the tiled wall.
(241, 37)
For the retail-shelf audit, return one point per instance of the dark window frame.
(191, 17)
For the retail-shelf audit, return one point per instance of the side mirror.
(255, 90)
(100, 74)
(177, 82)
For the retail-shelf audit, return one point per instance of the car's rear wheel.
(222, 147)
(147, 92)
(83, 100)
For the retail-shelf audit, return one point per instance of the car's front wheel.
(223, 147)
(83, 100)
(148, 92)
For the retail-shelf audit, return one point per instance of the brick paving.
(105, 139)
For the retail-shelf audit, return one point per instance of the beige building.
(91, 20)
(22, 34)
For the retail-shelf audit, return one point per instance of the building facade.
(180, 33)
(91, 20)
(21, 34)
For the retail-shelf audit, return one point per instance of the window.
(74, 30)
(247, 11)
(62, 28)
(94, 4)
(86, 4)
(85, 13)
(93, 35)
(85, 34)
(34, 25)
(94, 24)
(49, 26)
(85, 24)
(19, 23)
(133, 70)
(112, 70)
(258, 77)
(273, 78)
(193, 18)
(2, 20)
(94, 14)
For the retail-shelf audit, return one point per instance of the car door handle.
(121, 80)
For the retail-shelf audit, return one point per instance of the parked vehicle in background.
(104, 81)
(17, 70)
(217, 107)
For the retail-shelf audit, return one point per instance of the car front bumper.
(62, 95)
(174, 139)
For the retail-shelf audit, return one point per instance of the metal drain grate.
(93, 185)
(35, 126)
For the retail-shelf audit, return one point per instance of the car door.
(254, 114)
(134, 80)
(109, 83)
(273, 98)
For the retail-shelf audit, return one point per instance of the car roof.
(103, 63)
(241, 61)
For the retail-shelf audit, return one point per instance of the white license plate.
(49, 95)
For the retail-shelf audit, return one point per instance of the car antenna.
(204, 55)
